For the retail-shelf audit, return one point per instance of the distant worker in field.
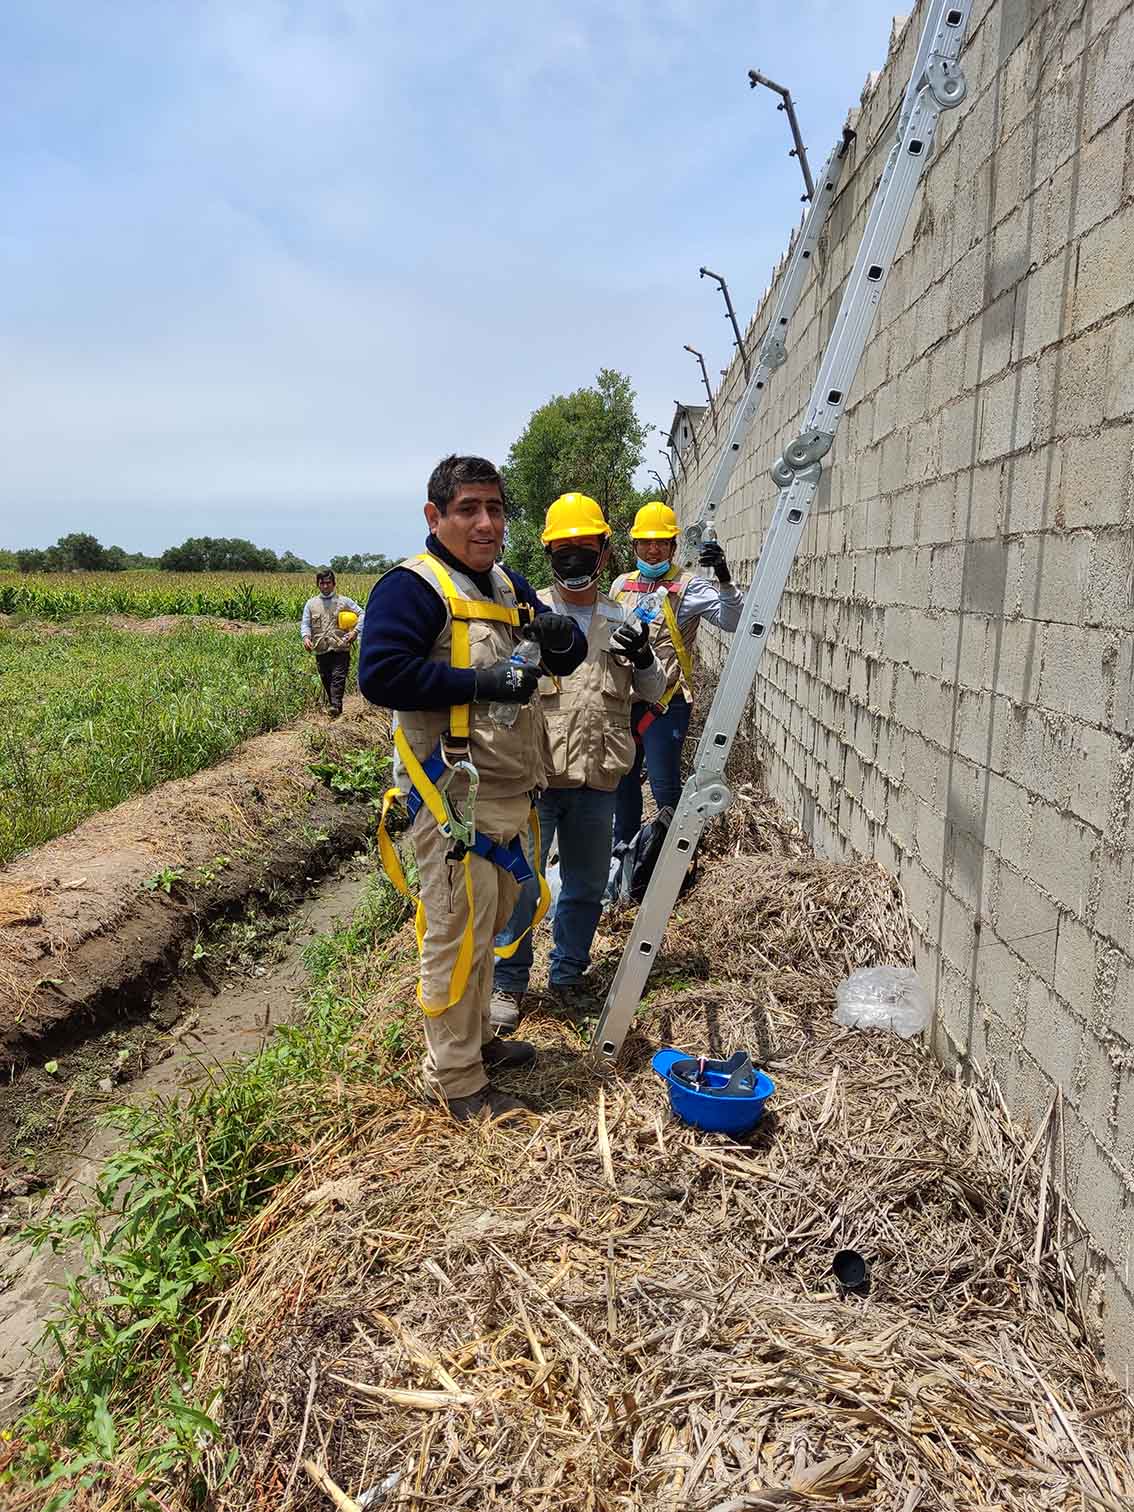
(592, 748)
(686, 598)
(456, 645)
(329, 627)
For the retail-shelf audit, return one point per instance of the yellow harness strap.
(461, 611)
(392, 864)
(684, 660)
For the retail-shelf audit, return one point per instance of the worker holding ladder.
(672, 601)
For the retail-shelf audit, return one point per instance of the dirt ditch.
(152, 944)
(95, 923)
(196, 1027)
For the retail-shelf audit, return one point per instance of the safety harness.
(431, 782)
(668, 585)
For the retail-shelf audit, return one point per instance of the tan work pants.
(452, 1065)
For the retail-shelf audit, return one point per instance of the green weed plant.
(163, 1236)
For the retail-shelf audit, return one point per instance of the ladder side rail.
(937, 85)
(772, 353)
(704, 794)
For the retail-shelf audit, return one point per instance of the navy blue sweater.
(404, 617)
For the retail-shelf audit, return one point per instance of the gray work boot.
(504, 1011)
(507, 1055)
(485, 1104)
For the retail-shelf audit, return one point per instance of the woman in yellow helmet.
(330, 626)
(674, 601)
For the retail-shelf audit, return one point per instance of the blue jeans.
(661, 746)
(582, 818)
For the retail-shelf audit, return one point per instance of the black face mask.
(575, 566)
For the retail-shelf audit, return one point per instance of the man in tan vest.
(591, 749)
(329, 627)
(438, 648)
(675, 601)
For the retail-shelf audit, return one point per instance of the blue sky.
(264, 262)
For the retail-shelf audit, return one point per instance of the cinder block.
(924, 653)
(935, 504)
(1032, 489)
(1095, 765)
(1042, 306)
(1057, 135)
(1017, 658)
(1110, 63)
(1039, 753)
(1099, 1197)
(1110, 592)
(1011, 253)
(1077, 673)
(1055, 576)
(1112, 890)
(1007, 415)
(993, 352)
(1075, 965)
(1051, 1035)
(1026, 923)
(1060, 857)
(1007, 819)
(967, 288)
(1105, 269)
(1071, 384)
(1100, 164)
(946, 371)
(946, 567)
(960, 430)
(1097, 479)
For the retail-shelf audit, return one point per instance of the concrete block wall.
(949, 686)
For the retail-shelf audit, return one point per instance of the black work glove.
(632, 640)
(552, 632)
(712, 555)
(506, 682)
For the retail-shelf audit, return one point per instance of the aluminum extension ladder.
(936, 85)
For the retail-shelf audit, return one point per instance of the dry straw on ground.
(602, 1308)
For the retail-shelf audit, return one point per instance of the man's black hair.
(325, 572)
(446, 478)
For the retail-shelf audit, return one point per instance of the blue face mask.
(652, 569)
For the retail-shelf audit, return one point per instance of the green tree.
(218, 554)
(31, 559)
(591, 441)
(78, 552)
(363, 561)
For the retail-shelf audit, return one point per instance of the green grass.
(96, 715)
(164, 1236)
(261, 597)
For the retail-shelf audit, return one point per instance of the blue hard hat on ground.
(720, 1096)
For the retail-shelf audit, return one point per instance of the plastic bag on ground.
(883, 997)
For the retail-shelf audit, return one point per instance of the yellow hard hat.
(347, 619)
(573, 514)
(654, 522)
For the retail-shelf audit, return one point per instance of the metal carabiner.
(461, 826)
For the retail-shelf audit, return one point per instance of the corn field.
(257, 597)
